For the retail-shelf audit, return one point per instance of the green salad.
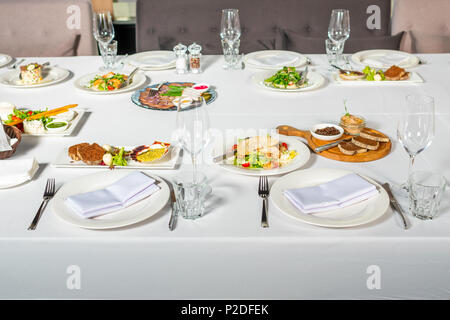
(286, 78)
(373, 75)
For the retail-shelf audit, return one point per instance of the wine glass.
(193, 131)
(339, 27)
(103, 30)
(230, 33)
(415, 128)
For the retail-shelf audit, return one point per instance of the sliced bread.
(350, 149)
(365, 143)
(73, 151)
(91, 154)
(366, 133)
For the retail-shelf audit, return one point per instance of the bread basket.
(12, 132)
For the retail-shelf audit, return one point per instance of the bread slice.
(350, 148)
(353, 75)
(365, 143)
(395, 73)
(73, 151)
(91, 154)
(366, 133)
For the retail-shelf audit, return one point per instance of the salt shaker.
(194, 57)
(181, 63)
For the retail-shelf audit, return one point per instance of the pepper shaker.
(181, 62)
(194, 57)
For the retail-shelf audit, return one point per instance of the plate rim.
(383, 194)
(133, 86)
(161, 67)
(300, 62)
(102, 224)
(66, 74)
(356, 55)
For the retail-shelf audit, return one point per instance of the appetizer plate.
(50, 75)
(167, 162)
(274, 59)
(83, 82)
(4, 59)
(135, 213)
(294, 144)
(72, 126)
(315, 81)
(357, 214)
(413, 78)
(136, 95)
(384, 59)
(153, 60)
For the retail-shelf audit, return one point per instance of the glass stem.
(411, 164)
(194, 168)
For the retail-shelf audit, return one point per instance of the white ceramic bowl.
(201, 84)
(326, 138)
(59, 129)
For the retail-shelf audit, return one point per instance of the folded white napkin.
(15, 172)
(385, 60)
(284, 59)
(121, 194)
(334, 194)
(153, 60)
(5, 140)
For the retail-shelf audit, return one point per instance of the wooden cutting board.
(334, 153)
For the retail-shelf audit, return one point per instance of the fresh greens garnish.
(373, 75)
(174, 91)
(119, 159)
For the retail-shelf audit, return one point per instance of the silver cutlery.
(174, 213)
(395, 205)
(330, 145)
(154, 91)
(340, 69)
(303, 76)
(263, 192)
(224, 156)
(130, 77)
(15, 64)
(308, 61)
(48, 194)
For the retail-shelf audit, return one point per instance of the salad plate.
(274, 59)
(50, 75)
(135, 213)
(153, 60)
(293, 144)
(354, 215)
(86, 82)
(4, 59)
(314, 81)
(385, 58)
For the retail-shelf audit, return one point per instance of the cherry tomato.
(110, 88)
(246, 165)
(235, 147)
(30, 113)
(284, 144)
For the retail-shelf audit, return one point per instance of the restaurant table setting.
(230, 184)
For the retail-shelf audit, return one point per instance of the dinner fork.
(154, 91)
(263, 192)
(48, 194)
(303, 75)
(130, 77)
(15, 64)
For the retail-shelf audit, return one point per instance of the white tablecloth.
(226, 254)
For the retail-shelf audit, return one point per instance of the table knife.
(224, 156)
(174, 214)
(395, 205)
(330, 145)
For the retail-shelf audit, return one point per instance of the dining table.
(226, 254)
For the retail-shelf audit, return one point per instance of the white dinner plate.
(315, 81)
(72, 126)
(50, 75)
(83, 82)
(262, 59)
(4, 59)
(413, 78)
(408, 61)
(357, 214)
(293, 144)
(153, 60)
(135, 213)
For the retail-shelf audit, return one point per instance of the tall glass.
(103, 30)
(230, 33)
(415, 128)
(339, 27)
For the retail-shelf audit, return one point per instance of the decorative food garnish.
(374, 75)
(108, 82)
(150, 153)
(286, 78)
(327, 131)
(262, 152)
(31, 73)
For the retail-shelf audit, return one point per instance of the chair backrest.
(162, 24)
(46, 28)
(426, 25)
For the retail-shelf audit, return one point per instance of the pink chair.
(426, 25)
(46, 28)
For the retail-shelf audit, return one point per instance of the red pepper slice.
(246, 165)
(110, 88)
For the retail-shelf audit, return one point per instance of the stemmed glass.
(193, 132)
(415, 129)
(230, 33)
(103, 30)
(339, 27)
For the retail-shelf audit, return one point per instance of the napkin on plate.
(15, 172)
(121, 194)
(278, 60)
(387, 59)
(5, 140)
(153, 61)
(335, 194)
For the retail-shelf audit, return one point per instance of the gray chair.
(46, 28)
(298, 25)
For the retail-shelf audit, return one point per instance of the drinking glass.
(191, 196)
(425, 194)
(334, 50)
(103, 28)
(415, 129)
(339, 27)
(230, 33)
(193, 132)
(109, 53)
